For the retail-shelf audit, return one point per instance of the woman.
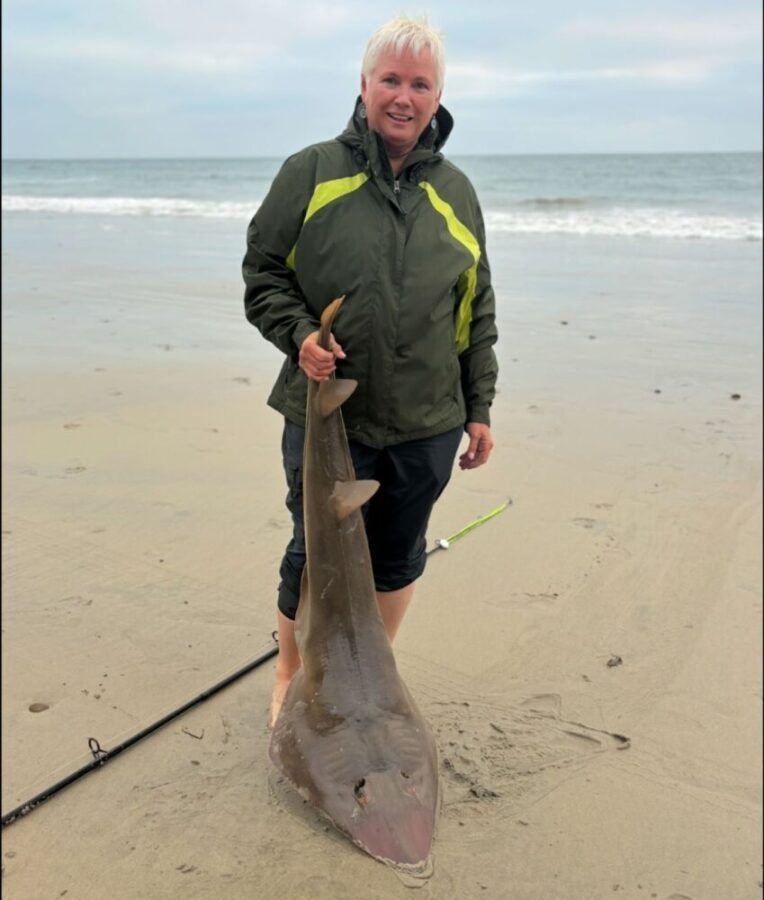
(378, 214)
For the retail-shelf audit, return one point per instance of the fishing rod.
(101, 756)
(445, 543)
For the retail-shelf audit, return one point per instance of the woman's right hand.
(316, 362)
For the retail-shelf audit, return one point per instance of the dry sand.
(143, 522)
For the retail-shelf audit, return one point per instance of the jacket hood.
(358, 135)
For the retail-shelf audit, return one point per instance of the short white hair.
(402, 34)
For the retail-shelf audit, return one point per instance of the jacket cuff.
(480, 414)
(301, 331)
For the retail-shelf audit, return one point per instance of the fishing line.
(101, 756)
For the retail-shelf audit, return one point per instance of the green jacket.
(417, 324)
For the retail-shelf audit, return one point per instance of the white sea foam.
(557, 218)
(129, 206)
(624, 222)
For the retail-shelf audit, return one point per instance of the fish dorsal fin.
(348, 496)
(333, 393)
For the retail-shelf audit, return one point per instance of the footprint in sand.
(38, 707)
(242, 379)
(497, 761)
(70, 425)
(75, 470)
(543, 598)
(584, 522)
(77, 600)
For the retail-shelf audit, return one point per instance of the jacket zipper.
(396, 186)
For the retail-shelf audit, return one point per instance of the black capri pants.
(411, 475)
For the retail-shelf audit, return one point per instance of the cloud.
(650, 50)
(725, 33)
(175, 36)
(481, 80)
(191, 58)
(196, 77)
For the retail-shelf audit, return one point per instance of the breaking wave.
(625, 222)
(129, 206)
(536, 216)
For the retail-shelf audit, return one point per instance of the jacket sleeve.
(273, 301)
(479, 367)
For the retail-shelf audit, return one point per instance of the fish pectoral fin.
(348, 496)
(333, 393)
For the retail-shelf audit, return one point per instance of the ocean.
(682, 196)
(656, 258)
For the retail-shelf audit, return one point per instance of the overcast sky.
(126, 78)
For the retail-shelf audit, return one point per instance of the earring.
(362, 111)
(433, 123)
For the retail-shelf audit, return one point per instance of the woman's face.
(401, 98)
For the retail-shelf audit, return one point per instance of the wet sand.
(589, 659)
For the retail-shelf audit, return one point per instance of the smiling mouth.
(396, 117)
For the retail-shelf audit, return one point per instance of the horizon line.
(5, 159)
